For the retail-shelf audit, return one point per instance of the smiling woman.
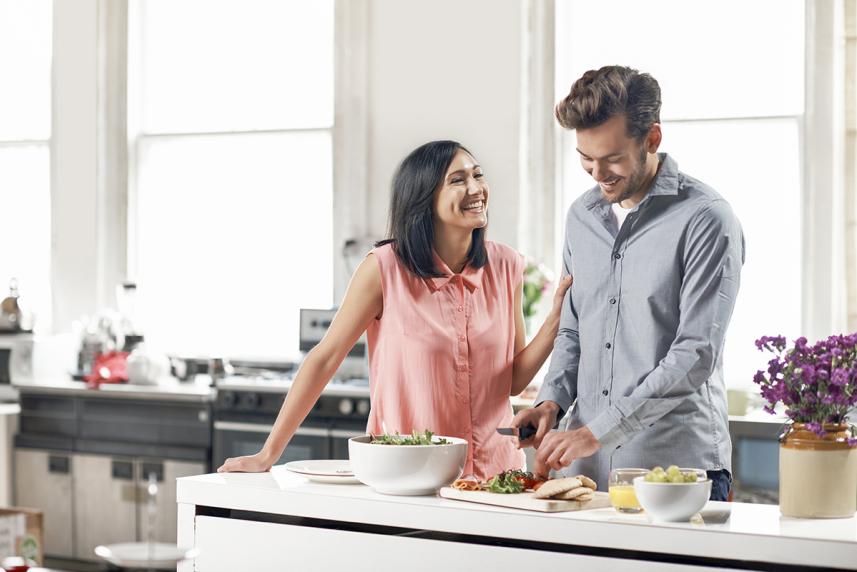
(454, 372)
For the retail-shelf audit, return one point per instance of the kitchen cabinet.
(83, 457)
(105, 502)
(167, 471)
(43, 480)
(111, 499)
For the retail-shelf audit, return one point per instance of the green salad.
(415, 438)
(508, 482)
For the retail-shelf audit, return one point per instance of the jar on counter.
(818, 475)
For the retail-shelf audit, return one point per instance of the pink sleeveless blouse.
(440, 356)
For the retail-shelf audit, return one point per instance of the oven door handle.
(262, 428)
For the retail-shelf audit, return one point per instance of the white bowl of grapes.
(674, 494)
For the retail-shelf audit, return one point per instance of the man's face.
(616, 162)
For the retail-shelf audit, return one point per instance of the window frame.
(821, 133)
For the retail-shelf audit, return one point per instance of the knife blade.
(522, 433)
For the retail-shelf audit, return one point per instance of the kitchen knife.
(522, 434)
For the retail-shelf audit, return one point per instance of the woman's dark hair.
(411, 224)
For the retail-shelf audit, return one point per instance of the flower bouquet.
(817, 387)
(537, 281)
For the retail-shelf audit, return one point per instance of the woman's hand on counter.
(258, 463)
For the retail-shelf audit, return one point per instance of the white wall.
(446, 69)
(74, 184)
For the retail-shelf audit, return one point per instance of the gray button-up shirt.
(639, 348)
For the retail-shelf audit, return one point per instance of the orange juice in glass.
(620, 488)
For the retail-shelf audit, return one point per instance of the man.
(656, 257)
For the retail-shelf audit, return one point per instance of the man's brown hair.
(612, 90)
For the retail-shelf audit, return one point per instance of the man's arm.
(713, 255)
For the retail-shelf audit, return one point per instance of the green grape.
(673, 470)
(649, 478)
(661, 478)
(679, 478)
(690, 477)
(658, 469)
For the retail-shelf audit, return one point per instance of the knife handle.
(526, 432)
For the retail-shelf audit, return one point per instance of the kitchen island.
(278, 521)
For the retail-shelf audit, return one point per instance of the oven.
(234, 439)
(244, 416)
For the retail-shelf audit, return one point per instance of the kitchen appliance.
(16, 363)
(246, 408)
(12, 317)
(313, 326)
(247, 404)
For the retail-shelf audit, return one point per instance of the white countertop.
(726, 530)
(172, 390)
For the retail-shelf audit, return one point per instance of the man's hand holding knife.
(555, 449)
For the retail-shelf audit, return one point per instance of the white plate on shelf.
(324, 471)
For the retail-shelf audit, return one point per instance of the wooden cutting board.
(526, 501)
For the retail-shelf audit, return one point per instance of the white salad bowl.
(672, 502)
(407, 469)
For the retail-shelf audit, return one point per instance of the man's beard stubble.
(636, 180)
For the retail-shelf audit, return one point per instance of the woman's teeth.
(477, 206)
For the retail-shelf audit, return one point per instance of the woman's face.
(462, 199)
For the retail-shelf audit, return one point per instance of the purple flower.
(813, 426)
(839, 377)
(817, 383)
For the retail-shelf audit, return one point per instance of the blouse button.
(461, 338)
(461, 308)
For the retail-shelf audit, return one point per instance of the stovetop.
(262, 395)
(267, 384)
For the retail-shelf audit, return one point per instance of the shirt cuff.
(611, 429)
(560, 396)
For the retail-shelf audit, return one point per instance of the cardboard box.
(21, 533)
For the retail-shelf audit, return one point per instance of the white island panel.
(726, 532)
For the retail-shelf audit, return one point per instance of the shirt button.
(607, 345)
(612, 300)
(617, 256)
(461, 338)
(461, 308)
(605, 392)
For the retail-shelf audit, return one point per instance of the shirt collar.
(666, 183)
(470, 276)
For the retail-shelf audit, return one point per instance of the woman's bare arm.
(529, 358)
(363, 303)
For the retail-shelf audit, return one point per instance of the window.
(230, 214)
(732, 115)
(25, 131)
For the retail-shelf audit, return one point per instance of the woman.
(442, 308)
